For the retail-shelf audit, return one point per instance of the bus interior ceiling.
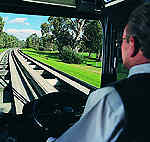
(32, 8)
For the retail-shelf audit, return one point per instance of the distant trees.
(92, 38)
(1, 24)
(33, 41)
(6, 40)
(47, 37)
(79, 34)
(2, 34)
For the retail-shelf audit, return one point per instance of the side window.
(122, 72)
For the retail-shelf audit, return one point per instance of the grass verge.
(86, 73)
(2, 49)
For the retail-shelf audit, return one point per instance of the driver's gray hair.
(139, 26)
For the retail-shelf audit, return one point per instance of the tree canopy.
(75, 34)
(79, 34)
(6, 40)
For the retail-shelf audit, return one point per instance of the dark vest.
(135, 93)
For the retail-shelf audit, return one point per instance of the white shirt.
(103, 112)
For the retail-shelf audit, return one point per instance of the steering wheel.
(56, 112)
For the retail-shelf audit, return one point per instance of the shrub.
(54, 47)
(67, 55)
(41, 48)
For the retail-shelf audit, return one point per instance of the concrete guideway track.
(10, 85)
(31, 79)
(27, 81)
(23, 81)
(20, 83)
(44, 84)
(17, 84)
(6, 99)
(59, 76)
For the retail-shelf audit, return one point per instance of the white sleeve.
(103, 113)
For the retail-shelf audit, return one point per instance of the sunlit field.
(2, 49)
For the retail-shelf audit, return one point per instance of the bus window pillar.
(109, 53)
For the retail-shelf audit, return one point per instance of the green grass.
(2, 49)
(91, 61)
(87, 73)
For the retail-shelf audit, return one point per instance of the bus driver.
(119, 112)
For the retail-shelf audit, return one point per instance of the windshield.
(69, 45)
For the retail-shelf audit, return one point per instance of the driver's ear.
(133, 47)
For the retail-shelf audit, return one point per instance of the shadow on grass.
(92, 58)
(47, 55)
(93, 65)
(93, 62)
(56, 57)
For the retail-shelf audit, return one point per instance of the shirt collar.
(138, 69)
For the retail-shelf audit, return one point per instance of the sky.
(22, 26)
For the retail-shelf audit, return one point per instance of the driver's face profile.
(125, 47)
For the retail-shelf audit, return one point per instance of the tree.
(33, 41)
(67, 31)
(21, 43)
(11, 41)
(77, 27)
(1, 24)
(93, 37)
(7, 41)
(45, 29)
(47, 37)
(2, 39)
(29, 42)
(60, 31)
